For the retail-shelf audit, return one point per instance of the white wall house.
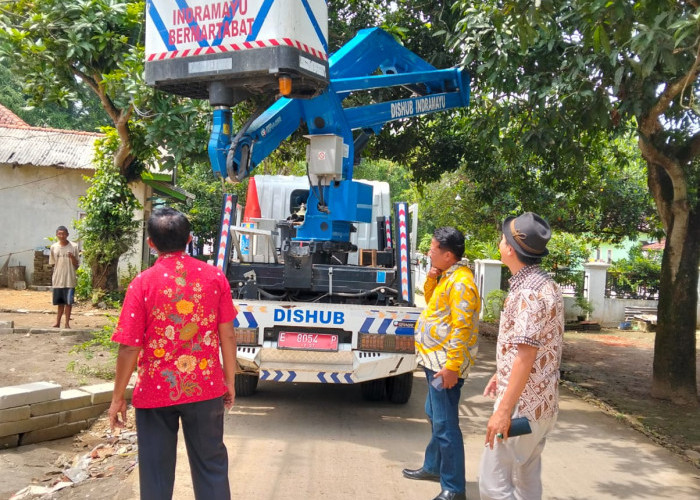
(42, 176)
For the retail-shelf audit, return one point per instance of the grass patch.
(93, 351)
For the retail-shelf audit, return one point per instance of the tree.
(558, 80)
(108, 229)
(59, 48)
(638, 274)
(64, 50)
(84, 115)
(497, 177)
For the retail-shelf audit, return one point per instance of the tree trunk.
(674, 373)
(104, 277)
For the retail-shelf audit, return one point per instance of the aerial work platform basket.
(245, 44)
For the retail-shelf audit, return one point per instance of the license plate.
(308, 341)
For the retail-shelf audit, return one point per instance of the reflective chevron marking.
(335, 378)
(278, 375)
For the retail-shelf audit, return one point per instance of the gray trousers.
(512, 470)
(203, 428)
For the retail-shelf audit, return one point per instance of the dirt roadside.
(38, 352)
(43, 353)
(610, 368)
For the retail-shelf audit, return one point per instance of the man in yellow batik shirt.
(446, 343)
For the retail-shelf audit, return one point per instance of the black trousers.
(203, 428)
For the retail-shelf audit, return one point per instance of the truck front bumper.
(342, 367)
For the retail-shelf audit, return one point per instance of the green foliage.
(84, 115)
(63, 52)
(639, 271)
(58, 46)
(100, 342)
(450, 201)
(599, 186)
(83, 285)
(424, 243)
(397, 176)
(475, 249)
(584, 305)
(570, 56)
(101, 339)
(559, 82)
(172, 131)
(204, 212)
(566, 252)
(102, 298)
(126, 278)
(493, 305)
(108, 228)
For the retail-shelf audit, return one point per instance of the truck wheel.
(398, 389)
(373, 390)
(245, 384)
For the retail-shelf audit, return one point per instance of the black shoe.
(450, 495)
(421, 474)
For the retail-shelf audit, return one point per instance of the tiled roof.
(21, 144)
(7, 117)
(659, 245)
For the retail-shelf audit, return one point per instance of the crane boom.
(373, 59)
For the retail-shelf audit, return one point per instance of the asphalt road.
(318, 442)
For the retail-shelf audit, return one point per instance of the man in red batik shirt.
(176, 317)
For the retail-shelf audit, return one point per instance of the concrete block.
(100, 393)
(80, 414)
(30, 424)
(70, 399)
(19, 285)
(9, 441)
(4, 330)
(7, 324)
(79, 335)
(14, 414)
(26, 394)
(55, 432)
(42, 330)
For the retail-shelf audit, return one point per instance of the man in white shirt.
(63, 256)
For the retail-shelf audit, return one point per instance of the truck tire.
(245, 384)
(373, 390)
(398, 388)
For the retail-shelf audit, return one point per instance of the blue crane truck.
(315, 303)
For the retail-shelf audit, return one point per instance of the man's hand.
(499, 423)
(74, 259)
(490, 389)
(434, 272)
(449, 378)
(497, 428)
(230, 396)
(117, 408)
(126, 362)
